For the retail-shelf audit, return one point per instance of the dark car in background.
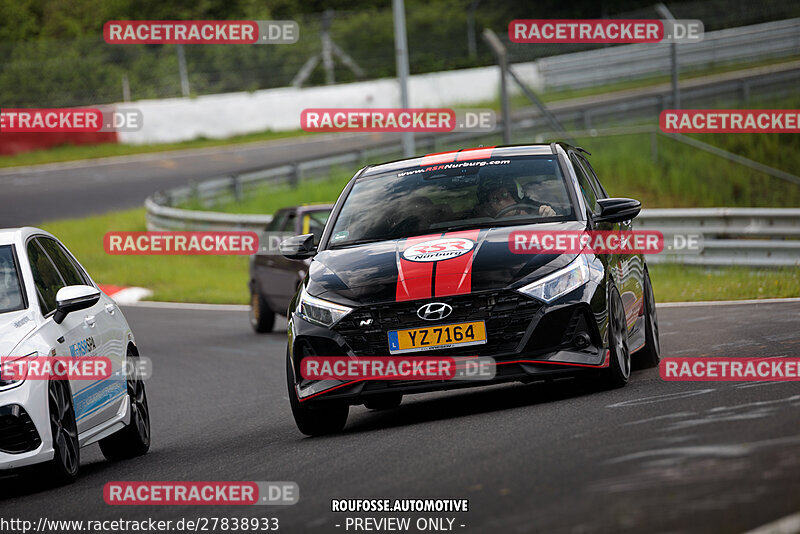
(274, 278)
(418, 250)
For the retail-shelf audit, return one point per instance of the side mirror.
(74, 298)
(614, 210)
(299, 247)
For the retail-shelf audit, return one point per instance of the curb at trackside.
(244, 307)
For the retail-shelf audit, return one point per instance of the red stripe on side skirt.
(414, 277)
(454, 276)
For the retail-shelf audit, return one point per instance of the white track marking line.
(787, 525)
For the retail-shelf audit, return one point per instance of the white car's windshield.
(10, 288)
(438, 198)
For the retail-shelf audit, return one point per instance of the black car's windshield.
(10, 288)
(470, 194)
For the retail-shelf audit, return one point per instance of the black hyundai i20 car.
(421, 246)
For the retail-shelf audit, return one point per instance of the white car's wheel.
(66, 462)
(134, 439)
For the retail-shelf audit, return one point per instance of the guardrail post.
(745, 92)
(194, 191)
(294, 176)
(236, 187)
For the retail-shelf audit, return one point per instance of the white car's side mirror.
(74, 298)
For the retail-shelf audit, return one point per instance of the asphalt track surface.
(654, 456)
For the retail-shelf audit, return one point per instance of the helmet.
(489, 181)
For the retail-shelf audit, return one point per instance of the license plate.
(437, 337)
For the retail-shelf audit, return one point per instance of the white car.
(49, 306)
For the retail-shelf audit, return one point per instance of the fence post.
(182, 71)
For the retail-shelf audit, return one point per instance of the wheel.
(619, 370)
(66, 462)
(134, 439)
(327, 418)
(650, 354)
(262, 319)
(384, 402)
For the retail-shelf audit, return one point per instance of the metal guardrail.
(728, 236)
(748, 43)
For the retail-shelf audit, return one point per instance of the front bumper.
(24, 410)
(527, 340)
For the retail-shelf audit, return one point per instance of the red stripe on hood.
(454, 276)
(414, 277)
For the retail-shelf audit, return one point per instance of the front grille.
(507, 315)
(17, 432)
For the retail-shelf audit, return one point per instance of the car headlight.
(560, 282)
(20, 372)
(318, 311)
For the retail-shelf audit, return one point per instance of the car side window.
(598, 187)
(290, 224)
(315, 221)
(586, 186)
(45, 277)
(277, 221)
(66, 268)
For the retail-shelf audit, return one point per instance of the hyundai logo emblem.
(434, 311)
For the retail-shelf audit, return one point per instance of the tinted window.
(277, 221)
(45, 277)
(10, 287)
(586, 186)
(69, 273)
(314, 223)
(290, 224)
(459, 195)
(598, 187)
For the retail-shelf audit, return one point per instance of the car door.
(282, 274)
(630, 267)
(83, 333)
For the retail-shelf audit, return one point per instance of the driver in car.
(497, 197)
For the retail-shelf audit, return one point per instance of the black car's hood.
(382, 272)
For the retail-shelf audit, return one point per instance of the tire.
(327, 418)
(66, 462)
(134, 439)
(384, 402)
(619, 371)
(650, 355)
(262, 319)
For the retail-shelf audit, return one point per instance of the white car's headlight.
(560, 282)
(320, 311)
(7, 363)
